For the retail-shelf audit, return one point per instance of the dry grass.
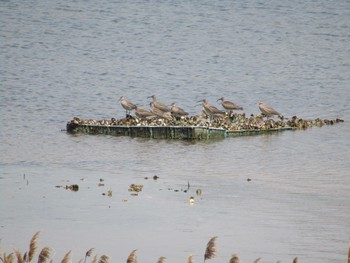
(33, 246)
(46, 254)
(234, 259)
(210, 251)
(67, 258)
(132, 257)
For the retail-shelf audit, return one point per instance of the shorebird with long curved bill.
(268, 110)
(158, 112)
(144, 114)
(177, 111)
(159, 105)
(229, 105)
(210, 110)
(127, 105)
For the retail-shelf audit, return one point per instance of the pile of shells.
(230, 121)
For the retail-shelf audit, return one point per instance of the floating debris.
(73, 187)
(191, 200)
(135, 188)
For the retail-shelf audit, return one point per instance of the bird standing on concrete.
(127, 105)
(228, 105)
(267, 110)
(159, 105)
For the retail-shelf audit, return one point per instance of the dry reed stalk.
(349, 254)
(189, 259)
(33, 246)
(88, 254)
(25, 257)
(295, 260)
(132, 258)
(210, 251)
(161, 260)
(45, 255)
(94, 260)
(234, 259)
(67, 258)
(8, 259)
(257, 260)
(104, 259)
(18, 256)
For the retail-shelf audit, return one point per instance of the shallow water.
(61, 60)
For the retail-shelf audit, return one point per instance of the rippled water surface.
(65, 59)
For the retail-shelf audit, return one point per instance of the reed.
(132, 258)
(104, 259)
(45, 255)
(257, 260)
(68, 257)
(94, 260)
(210, 251)
(88, 254)
(234, 259)
(33, 246)
(18, 256)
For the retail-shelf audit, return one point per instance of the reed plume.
(132, 258)
(45, 255)
(104, 259)
(190, 260)
(25, 257)
(210, 251)
(9, 258)
(234, 259)
(94, 260)
(18, 256)
(67, 258)
(257, 260)
(33, 246)
(161, 260)
(88, 254)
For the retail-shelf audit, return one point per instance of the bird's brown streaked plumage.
(210, 109)
(159, 105)
(229, 105)
(267, 110)
(127, 105)
(158, 112)
(143, 114)
(177, 111)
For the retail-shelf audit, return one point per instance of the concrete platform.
(165, 132)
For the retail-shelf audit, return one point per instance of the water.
(60, 60)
